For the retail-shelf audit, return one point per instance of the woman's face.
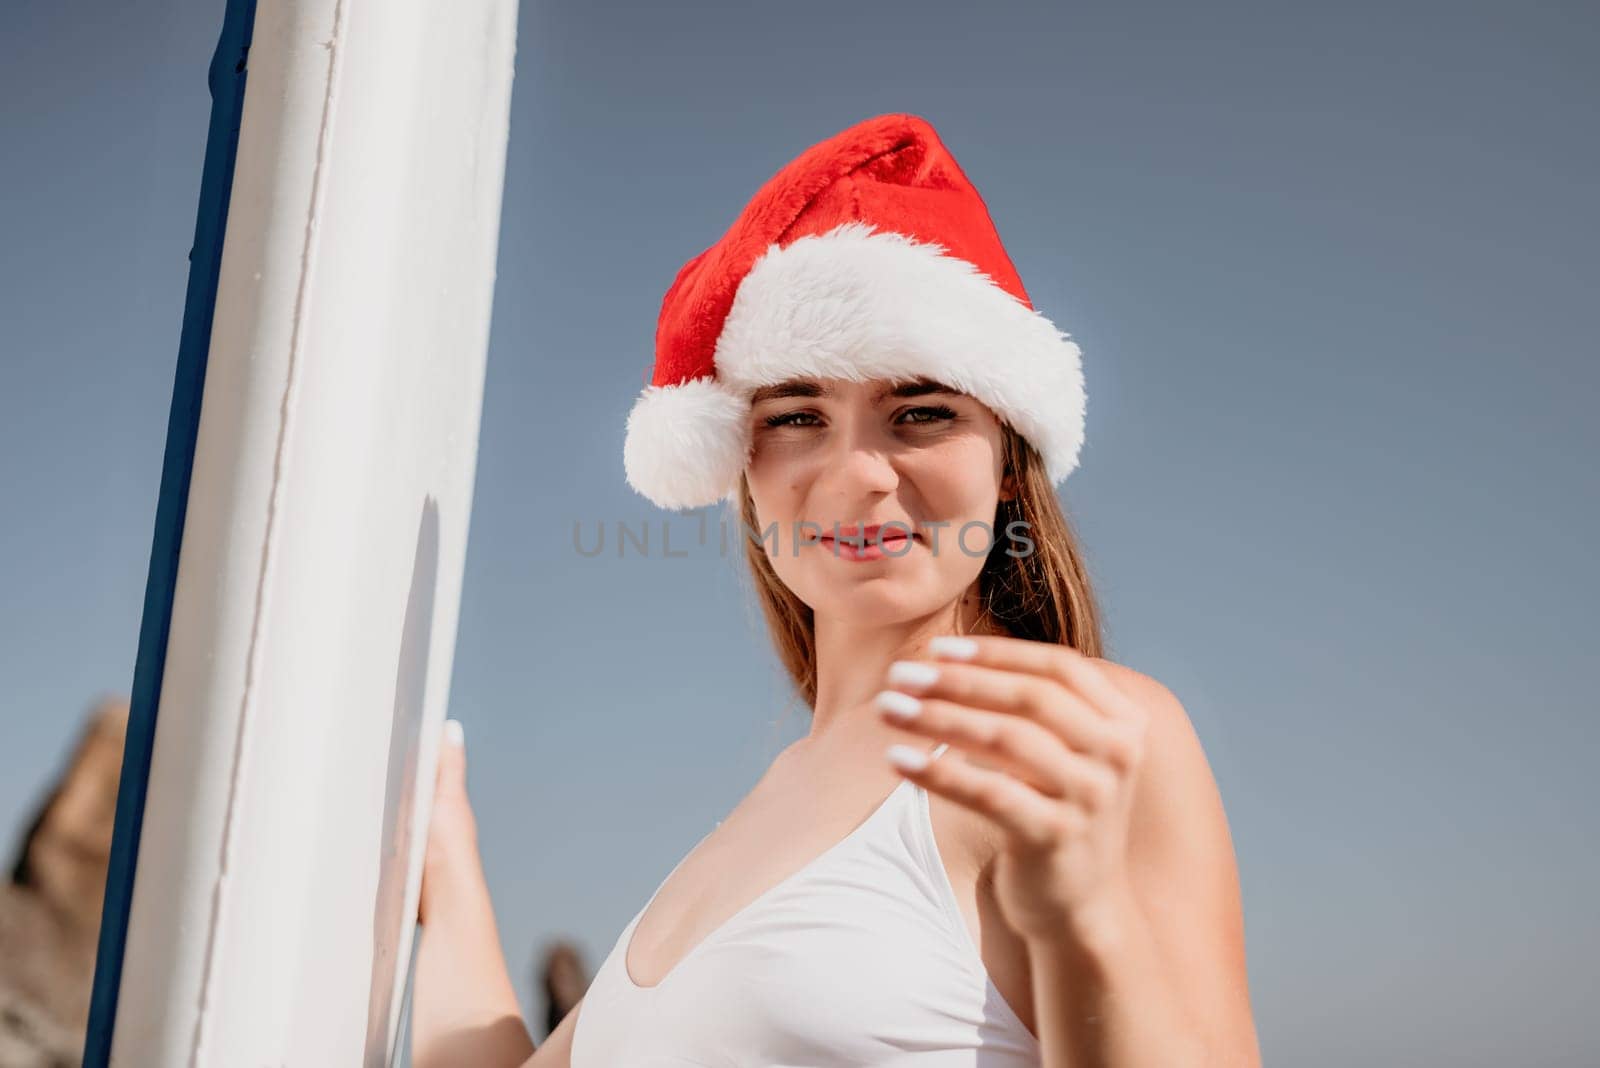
(914, 457)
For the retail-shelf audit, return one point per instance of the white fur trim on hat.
(686, 445)
(857, 303)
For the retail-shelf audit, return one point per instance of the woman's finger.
(1020, 746)
(452, 776)
(1039, 698)
(1054, 660)
(1014, 805)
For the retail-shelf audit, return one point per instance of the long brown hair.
(1043, 594)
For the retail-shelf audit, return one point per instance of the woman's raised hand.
(464, 1008)
(1065, 747)
(452, 848)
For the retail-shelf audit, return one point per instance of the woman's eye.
(788, 419)
(924, 415)
(937, 412)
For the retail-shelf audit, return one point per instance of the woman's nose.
(861, 462)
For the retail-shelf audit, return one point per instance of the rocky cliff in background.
(50, 902)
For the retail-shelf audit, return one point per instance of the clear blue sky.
(1333, 268)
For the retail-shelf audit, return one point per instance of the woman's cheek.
(769, 448)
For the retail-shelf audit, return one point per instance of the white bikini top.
(862, 957)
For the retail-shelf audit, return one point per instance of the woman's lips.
(871, 547)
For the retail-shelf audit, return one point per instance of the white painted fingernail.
(906, 758)
(953, 647)
(912, 674)
(453, 733)
(897, 704)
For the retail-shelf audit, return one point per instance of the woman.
(856, 367)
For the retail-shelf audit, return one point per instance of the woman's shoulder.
(1134, 683)
(1169, 737)
(1177, 821)
(1167, 727)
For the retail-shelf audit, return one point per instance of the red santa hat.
(868, 256)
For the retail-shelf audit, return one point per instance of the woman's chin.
(880, 597)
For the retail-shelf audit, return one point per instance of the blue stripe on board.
(226, 79)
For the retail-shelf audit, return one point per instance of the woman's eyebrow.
(792, 388)
(918, 387)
